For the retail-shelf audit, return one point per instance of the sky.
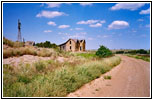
(114, 25)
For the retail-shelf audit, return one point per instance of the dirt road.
(129, 79)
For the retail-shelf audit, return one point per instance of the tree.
(103, 52)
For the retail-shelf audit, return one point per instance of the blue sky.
(115, 25)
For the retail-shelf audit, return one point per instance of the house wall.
(82, 46)
(72, 45)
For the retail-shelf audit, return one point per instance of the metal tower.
(19, 31)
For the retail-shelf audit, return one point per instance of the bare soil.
(15, 61)
(129, 79)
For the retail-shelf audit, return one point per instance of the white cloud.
(87, 22)
(50, 14)
(47, 31)
(128, 6)
(78, 28)
(51, 23)
(86, 4)
(63, 26)
(103, 21)
(53, 5)
(118, 25)
(145, 11)
(96, 25)
(140, 20)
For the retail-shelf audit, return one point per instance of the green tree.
(103, 52)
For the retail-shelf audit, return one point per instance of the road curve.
(131, 78)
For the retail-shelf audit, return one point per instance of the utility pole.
(19, 31)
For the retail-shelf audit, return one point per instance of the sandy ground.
(129, 79)
(15, 61)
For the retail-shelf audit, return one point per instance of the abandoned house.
(73, 45)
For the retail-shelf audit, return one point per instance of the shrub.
(119, 52)
(103, 52)
(46, 44)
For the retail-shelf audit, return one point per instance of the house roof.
(75, 40)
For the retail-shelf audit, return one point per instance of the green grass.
(86, 55)
(108, 77)
(51, 78)
(145, 58)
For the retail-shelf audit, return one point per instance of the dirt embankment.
(15, 61)
(129, 79)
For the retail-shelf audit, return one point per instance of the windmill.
(19, 31)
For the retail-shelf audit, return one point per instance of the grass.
(11, 43)
(108, 77)
(43, 52)
(86, 55)
(51, 78)
(145, 58)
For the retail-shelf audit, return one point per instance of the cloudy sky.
(115, 25)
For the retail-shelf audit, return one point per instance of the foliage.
(28, 82)
(139, 51)
(103, 52)
(119, 52)
(46, 44)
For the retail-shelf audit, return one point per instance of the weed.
(108, 77)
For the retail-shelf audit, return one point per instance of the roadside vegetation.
(143, 57)
(51, 78)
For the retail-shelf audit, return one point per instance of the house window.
(80, 48)
(70, 42)
(70, 47)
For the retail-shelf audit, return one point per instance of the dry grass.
(43, 52)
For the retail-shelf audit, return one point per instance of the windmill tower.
(19, 31)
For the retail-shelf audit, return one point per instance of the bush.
(46, 44)
(119, 52)
(103, 52)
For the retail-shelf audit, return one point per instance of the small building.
(73, 45)
(29, 43)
